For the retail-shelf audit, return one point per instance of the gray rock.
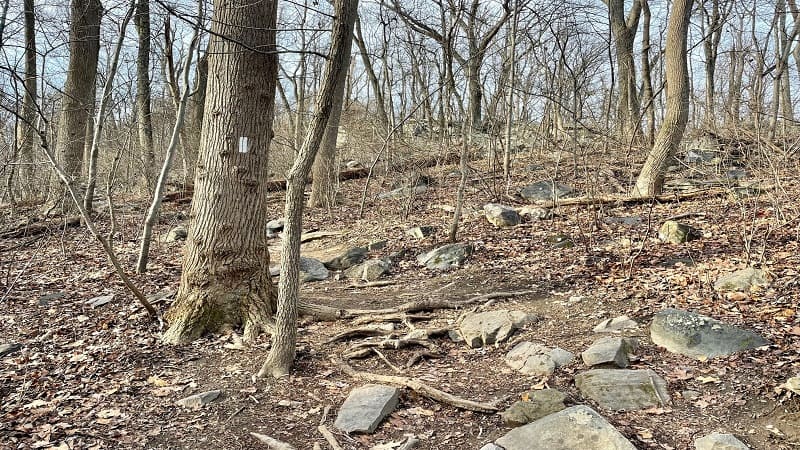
(560, 240)
(10, 348)
(699, 336)
(575, 428)
(484, 328)
(699, 156)
(501, 215)
(736, 174)
(366, 407)
(312, 270)
(534, 359)
(615, 325)
(719, 441)
(420, 232)
(689, 394)
(179, 233)
(369, 270)
(377, 245)
(445, 257)
(538, 404)
(742, 280)
(609, 350)
(348, 259)
(677, 233)
(491, 446)
(403, 192)
(199, 400)
(536, 213)
(546, 191)
(97, 302)
(275, 226)
(627, 221)
(618, 389)
(47, 298)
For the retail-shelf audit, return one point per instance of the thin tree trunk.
(512, 80)
(226, 280)
(651, 178)
(26, 133)
(105, 99)
(647, 81)
(281, 355)
(155, 206)
(143, 116)
(383, 120)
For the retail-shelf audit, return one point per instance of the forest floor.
(90, 378)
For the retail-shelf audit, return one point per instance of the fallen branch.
(271, 442)
(323, 430)
(418, 387)
(367, 284)
(358, 332)
(386, 360)
(35, 228)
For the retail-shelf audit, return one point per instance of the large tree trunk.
(78, 99)
(281, 356)
(325, 173)
(143, 116)
(651, 178)
(226, 280)
(26, 132)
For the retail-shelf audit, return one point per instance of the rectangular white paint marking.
(243, 145)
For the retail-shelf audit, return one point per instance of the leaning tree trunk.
(143, 116)
(624, 32)
(281, 356)
(78, 98)
(651, 178)
(226, 280)
(323, 184)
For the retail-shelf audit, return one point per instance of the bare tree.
(144, 122)
(624, 31)
(651, 178)
(26, 133)
(225, 279)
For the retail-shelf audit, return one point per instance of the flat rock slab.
(484, 328)
(700, 336)
(719, 441)
(535, 359)
(199, 400)
(369, 270)
(366, 407)
(609, 350)
(546, 191)
(10, 348)
(575, 428)
(445, 257)
(501, 215)
(619, 389)
(97, 302)
(537, 404)
(742, 280)
(615, 325)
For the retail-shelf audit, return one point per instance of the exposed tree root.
(272, 443)
(358, 332)
(323, 430)
(419, 387)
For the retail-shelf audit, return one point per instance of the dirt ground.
(90, 378)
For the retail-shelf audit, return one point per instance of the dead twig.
(323, 430)
(386, 360)
(419, 387)
(271, 442)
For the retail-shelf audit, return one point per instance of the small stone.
(421, 232)
(501, 215)
(179, 233)
(546, 191)
(609, 350)
(538, 404)
(615, 325)
(445, 257)
(536, 213)
(311, 270)
(490, 327)
(455, 336)
(10, 348)
(719, 441)
(677, 233)
(199, 400)
(534, 359)
(100, 301)
(347, 259)
(690, 394)
(377, 245)
(619, 389)
(369, 270)
(560, 241)
(745, 280)
(275, 226)
(366, 407)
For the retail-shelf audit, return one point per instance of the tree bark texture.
(624, 32)
(78, 100)
(281, 356)
(325, 172)
(26, 132)
(651, 178)
(143, 116)
(225, 279)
